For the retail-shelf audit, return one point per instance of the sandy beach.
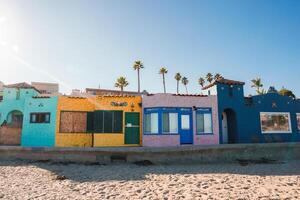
(31, 180)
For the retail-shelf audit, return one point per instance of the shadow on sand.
(124, 172)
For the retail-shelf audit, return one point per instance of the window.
(108, 121)
(185, 122)
(39, 118)
(151, 123)
(170, 122)
(73, 122)
(272, 122)
(298, 121)
(204, 123)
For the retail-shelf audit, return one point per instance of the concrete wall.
(39, 134)
(171, 155)
(175, 101)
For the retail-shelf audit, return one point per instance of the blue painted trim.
(160, 111)
(158, 134)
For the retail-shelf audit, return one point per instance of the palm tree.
(209, 77)
(218, 76)
(138, 65)
(256, 83)
(121, 83)
(185, 81)
(201, 81)
(177, 78)
(163, 71)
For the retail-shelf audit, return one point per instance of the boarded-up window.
(108, 121)
(73, 122)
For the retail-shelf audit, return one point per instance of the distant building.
(46, 88)
(1, 90)
(101, 92)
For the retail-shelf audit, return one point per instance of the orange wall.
(104, 103)
(92, 104)
(73, 139)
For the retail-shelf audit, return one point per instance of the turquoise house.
(39, 122)
(13, 101)
(26, 118)
(12, 112)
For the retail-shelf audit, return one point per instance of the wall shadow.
(125, 172)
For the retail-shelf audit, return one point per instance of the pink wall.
(170, 100)
(161, 141)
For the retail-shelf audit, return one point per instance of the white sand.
(21, 180)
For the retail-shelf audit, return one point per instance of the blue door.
(186, 128)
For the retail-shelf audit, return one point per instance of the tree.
(163, 71)
(138, 65)
(286, 92)
(201, 81)
(257, 84)
(178, 78)
(121, 83)
(209, 77)
(218, 76)
(185, 81)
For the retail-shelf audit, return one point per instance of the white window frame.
(156, 122)
(276, 113)
(297, 115)
(162, 123)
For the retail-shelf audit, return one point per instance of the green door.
(132, 128)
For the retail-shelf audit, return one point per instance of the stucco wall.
(169, 100)
(104, 103)
(39, 134)
(89, 105)
(73, 139)
(10, 135)
(248, 127)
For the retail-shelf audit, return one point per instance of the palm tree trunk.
(139, 87)
(186, 89)
(177, 87)
(164, 83)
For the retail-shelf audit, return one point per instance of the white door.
(224, 128)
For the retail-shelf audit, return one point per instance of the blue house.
(265, 118)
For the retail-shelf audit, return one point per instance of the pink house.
(174, 120)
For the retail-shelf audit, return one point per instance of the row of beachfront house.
(99, 118)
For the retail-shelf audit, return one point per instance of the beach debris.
(60, 177)
(245, 162)
(143, 163)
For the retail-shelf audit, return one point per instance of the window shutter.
(98, 121)
(108, 121)
(118, 121)
(90, 122)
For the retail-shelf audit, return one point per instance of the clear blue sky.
(90, 42)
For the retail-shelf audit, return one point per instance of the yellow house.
(71, 122)
(99, 121)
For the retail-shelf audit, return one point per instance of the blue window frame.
(163, 120)
(204, 125)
